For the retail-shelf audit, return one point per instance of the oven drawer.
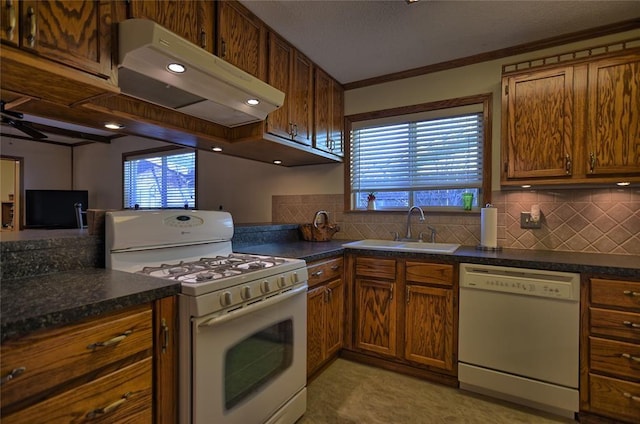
(123, 396)
(606, 322)
(614, 357)
(319, 272)
(376, 268)
(614, 398)
(420, 272)
(620, 294)
(50, 358)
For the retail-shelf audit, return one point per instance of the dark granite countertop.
(43, 301)
(590, 263)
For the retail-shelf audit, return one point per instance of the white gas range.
(242, 317)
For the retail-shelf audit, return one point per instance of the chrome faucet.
(408, 236)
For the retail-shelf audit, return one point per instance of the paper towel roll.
(489, 227)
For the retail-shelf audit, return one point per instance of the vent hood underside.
(210, 88)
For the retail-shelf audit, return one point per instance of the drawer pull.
(98, 412)
(631, 293)
(632, 397)
(631, 357)
(631, 324)
(12, 374)
(335, 267)
(110, 342)
(317, 273)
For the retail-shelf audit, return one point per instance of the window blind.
(420, 162)
(160, 179)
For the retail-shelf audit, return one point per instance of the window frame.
(484, 99)
(160, 151)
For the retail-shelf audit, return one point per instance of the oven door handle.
(209, 321)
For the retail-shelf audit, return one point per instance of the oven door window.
(251, 363)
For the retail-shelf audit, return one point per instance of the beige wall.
(47, 166)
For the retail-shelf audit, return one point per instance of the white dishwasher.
(519, 336)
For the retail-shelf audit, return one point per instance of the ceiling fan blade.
(31, 132)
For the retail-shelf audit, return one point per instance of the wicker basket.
(319, 232)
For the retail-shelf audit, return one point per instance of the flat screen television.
(51, 209)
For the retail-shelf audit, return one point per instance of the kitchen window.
(425, 155)
(160, 179)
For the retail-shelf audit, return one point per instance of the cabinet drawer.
(624, 325)
(52, 357)
(420, 272)
(116, 397)
(320, 272)
(621, 294)
(377, 268)
(614, 398)
(614, 357)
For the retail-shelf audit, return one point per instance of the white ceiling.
(355, 40)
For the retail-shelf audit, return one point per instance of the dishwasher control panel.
(531, 282)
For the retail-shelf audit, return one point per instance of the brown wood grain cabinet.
(242, 39)
(404, 315)
(291, 72)
(328, 113)
(191, 19)
(610, 362)
(325, 313)
(576, 123)
(99, 370)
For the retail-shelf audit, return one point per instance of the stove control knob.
(265, 287)
(225, 299)
(294, 277)
(282, 281)
(245, 293)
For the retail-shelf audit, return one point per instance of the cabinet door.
(539, 123)
(336, 119)
(76, 33)
(242, 38)
(166, 360)
(322, 110)
(191, 19)
(376, 316)
(429, 326)
(10, 22)
(301, 98)
(315, 328)
(334, 317)
(614, 125)
(279, 76)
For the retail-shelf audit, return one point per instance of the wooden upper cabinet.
(242, 39)
(538, 114)
(613, 132)
(291, 72)
(336, 119)
(328, 113)
(75, 33)
(191, 19)
(10, 22)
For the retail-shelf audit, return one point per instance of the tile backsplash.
(578, 220)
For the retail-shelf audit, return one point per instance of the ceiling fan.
(15, 120)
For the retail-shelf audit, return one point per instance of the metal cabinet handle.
(223, 48)
(631, 357)
(335, 268)
(203, 38)
(295, 130)
(632, 397)
(31, 19)
(109, 408)
(12, 374)
(110, 342)
(631, 324)
(391, 293)
(408, 295)
(165, 335)
(330, 294)
(567, 164)
(592, 162)
(631, 293)
(11, 19)
(317, 273)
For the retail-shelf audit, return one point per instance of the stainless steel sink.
(403, 246)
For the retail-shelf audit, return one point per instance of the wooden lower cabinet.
(325, 313)
(102, 370)
(402, 315)
(610, 379)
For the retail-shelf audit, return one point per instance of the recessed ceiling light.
(216, 149)
(253, 102)
(526, 186)
(113, 126)
(176, 68)
(623, 183)
(277, 162)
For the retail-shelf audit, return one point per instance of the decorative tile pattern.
(577, 220)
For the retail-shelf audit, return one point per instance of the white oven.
(242, 317)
